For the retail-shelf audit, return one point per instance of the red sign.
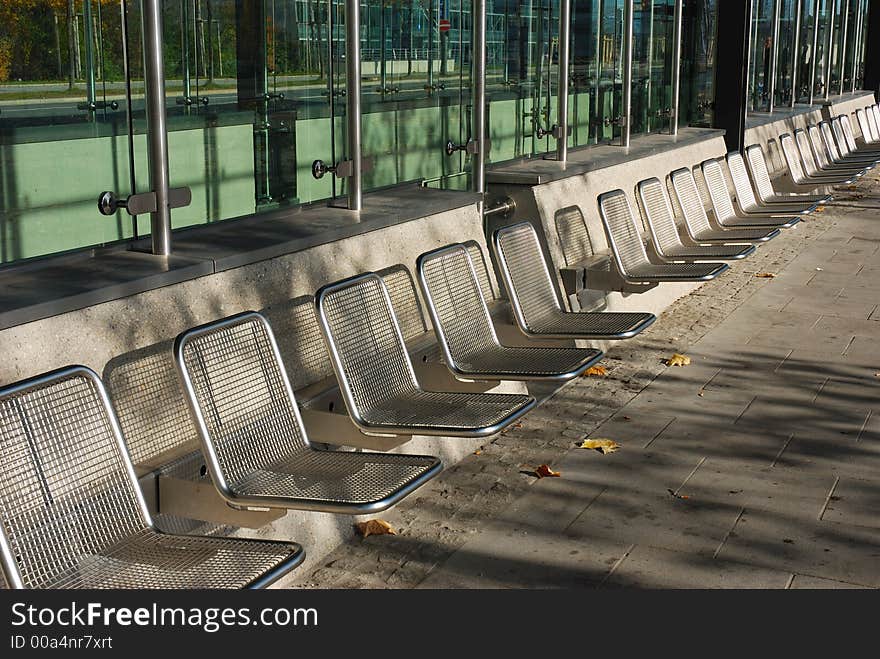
(444, 25)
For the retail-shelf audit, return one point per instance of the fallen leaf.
(678, 360)
(701, 393)
(820, 209)
(375, 527)
(677, 496)
(626, 418)
(877, 374)
(478, 451)
(604, 446)
(788, 541)
(765, 275)
(517, 425)
(546, 472)
(818, 269)
(596, 371)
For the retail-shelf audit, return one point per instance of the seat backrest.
(688, 197)
(839, 137)
(760, 173)
(718, 191)
(574, 238)
(792, 157)
(455, 302)
(867, 133)
(622, 230)
(874, 121)
(525, 273)
(365, 342)
(817, 142)
(829, 140)
(806, 151)
(661, 219)
(240, 397)
(67, 486)
(741, 182)
(848, 135)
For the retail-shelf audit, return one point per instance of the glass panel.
(698, 50)
(760, 55)
(652, 66)
(251, 88)
(836, 58)
(860, 48)
(586, 50)
(522, 76)
(806, 49)
(785, 59)
(851, 40)
(822, 49)
(63, 129)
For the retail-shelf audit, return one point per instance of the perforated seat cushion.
(588, 324)
(445, 411)
(149, 559)
(675, 271)
(345, 477)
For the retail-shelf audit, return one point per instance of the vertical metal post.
(184, 50)
(676, 66)
(829, 44)
(157, 133)
(774, 56)
(796, 46)
(841, 52)
(88, 34)
(627, 71)
(353, 101)
(478, 84)
(813, 57)
(562, 85)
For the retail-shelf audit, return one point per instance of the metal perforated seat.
(696, 221)
(764, 185)
(814, 167)
(252, 435)
(72, 514)
(376, 375)
(839, 126)
(793, 160)
(868, 127)
(825, 149)
(868, 151)
(466, 334)
(745, 193)
(535, 304)
(664, 232)
(722, 205)
(629, 252)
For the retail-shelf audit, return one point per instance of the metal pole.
(353, 101)
(795, 59)
(562, 85)
(774, 56)
(676, 66)
(478, 84)
(829, 44)
(813, 52)
(627, 71)
(841, 52)
(157, 135)
(90, 55)
(184, 50)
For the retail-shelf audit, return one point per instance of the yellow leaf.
(765, 275)
(820, 209)
(375, 527)
(596, 371)
(604, 446)
(546, 472)
(478, 451)
(678, 360)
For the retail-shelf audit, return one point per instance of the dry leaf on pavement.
(546, 472)
(596, 371)
(678, 360)
(677, 496)
(375, 527)
(765, 275)
(604, 446)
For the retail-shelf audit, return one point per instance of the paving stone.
(854, 501)
(805, 582)
(772, 540)
(651, 567)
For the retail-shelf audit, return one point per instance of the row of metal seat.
(72, 513)
(71, 509)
